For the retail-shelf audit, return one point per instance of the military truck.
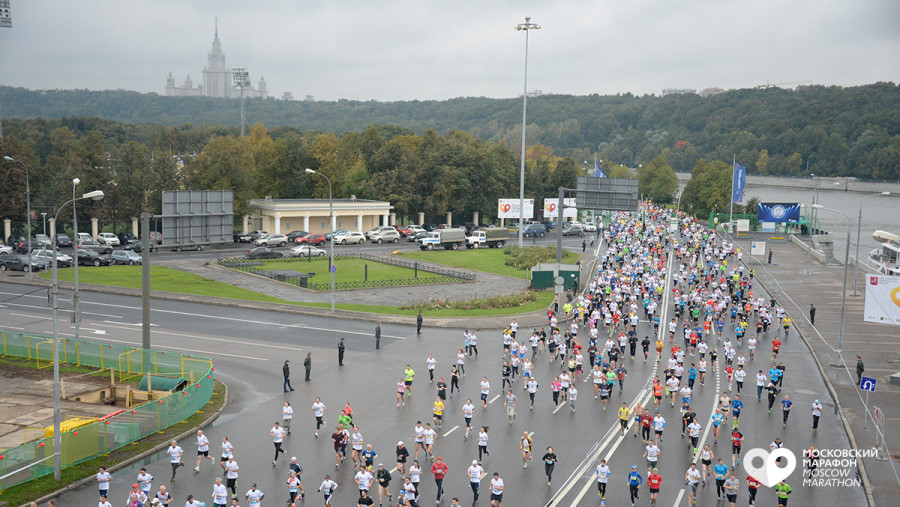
(450, 239)
(489, 236)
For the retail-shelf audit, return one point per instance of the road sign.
(868, 384)
(333, 268)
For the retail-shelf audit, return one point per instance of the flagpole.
(731, 199)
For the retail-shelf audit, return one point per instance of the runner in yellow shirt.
(438, 412)
(408, 375)
(624, 414)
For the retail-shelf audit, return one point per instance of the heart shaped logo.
(769, 474)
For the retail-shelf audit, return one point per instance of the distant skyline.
(413, 50)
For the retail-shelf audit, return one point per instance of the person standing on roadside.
(307, 364)
(860, 369)
(286, 370)
(812, 314)
(341, 352)
(419, 322)
(378, 335)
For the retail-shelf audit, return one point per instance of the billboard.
(615, 194)
(882, 299)
(509, 208)
(197, 217)
(758, 248)
(551, 208)
(780, 212)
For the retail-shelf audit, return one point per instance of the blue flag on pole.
(739, 175)
(598, 171)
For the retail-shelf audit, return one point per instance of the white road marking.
(451, 430)
(31, 316)
(182, 335)
(493, 399)
(176, 349)
(136, 324)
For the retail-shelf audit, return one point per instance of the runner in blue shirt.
(634, 483)
(721, 470)
(786, 405)
(736, 406)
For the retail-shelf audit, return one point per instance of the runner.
(277, 433)
(634, 483)
(438, 412)
(485, 391)
(318, 409)
(483, 442)
(624, 415)
(692, 476)
(468, 411)
(525, 444)
(654, 482)
(510, 404)
(339, 438)
(408, 375)
(532, 387)
(602, 473)
(231, 475)
(430, 363)
(356, 448)
(439, 471)
(737, 439)
(175, 452)
(706, 457)
(474, 472)
(549, 458)
(496, 490)
(202, 449)
(327, 489)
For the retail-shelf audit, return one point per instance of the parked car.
(126, 238)
(46, 255)
(240, 237)
(293, 235)
(91, 258)
(271, 240)
(378, 229)
(385, 236)
(5, 249)
(572, 229)
(63, 240)
(306, 251)
(430, 226)
(93, 245)
(41, 241)
(138, 247)
(258, 234)
(311, 239)
(108, 238)
(17, 262)
(338, 232)
(125, 257)
(404, 230)
(536, 230)
(83, 236)
(263, 252)
(350, 237)
(589, 227)
(417, 236)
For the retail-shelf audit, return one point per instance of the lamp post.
(27, 207)
(54, 293)
(526, 26)
(813, 215)
(44, 217)
(331, 226)
(858, 230)
(844, 290)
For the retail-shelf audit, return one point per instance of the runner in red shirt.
(439, 469)
(776, 344)
(654, 481)
(646, 424)
(737, 438)
(752, 484)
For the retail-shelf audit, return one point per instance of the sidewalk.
(797, 284)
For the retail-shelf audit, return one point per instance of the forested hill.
(853, 131)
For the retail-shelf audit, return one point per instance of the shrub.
(529, 256)
(480, 304)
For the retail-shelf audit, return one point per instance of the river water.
(877, 213)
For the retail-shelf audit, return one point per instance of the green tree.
(657, 181)
(708, 189)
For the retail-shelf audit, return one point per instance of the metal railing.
(34, 459)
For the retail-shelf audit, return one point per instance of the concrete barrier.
(817, 255)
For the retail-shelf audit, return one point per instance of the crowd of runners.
(721, 335)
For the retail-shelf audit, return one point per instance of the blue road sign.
(867, 384)
(334, 270)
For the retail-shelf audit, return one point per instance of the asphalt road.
(250, 346)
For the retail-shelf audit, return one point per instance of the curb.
(148, 452)
(867, 486)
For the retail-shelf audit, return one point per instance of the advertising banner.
(882, 299)
(551, 208)
(780, 212)
(758, 248)
(509, 208)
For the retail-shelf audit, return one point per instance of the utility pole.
(241, 79)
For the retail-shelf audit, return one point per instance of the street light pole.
(54, 294)
(331, 226)
(27, 207)
(858, 230)
(526, 26)
(844, 290)
(76, 298)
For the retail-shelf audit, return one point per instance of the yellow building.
(285, 215)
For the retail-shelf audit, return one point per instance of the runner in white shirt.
(231, 475)
(254, 495)
(496, 490)
(103, 502)
(318, 409)
(277, 433)
(174, 451)
(419, 431)
(356, 447)
(327, 488)
(430, 364)
(103, 478)
(364, 479)
(145, 480)
(485, 391)
(220, 493)
(602, 473)
(659, 424)
(652, 455)
(474, 472)
(429, 435)
(202, 449)
(227, 452)
(468, 410)
(287, 416)
(694, 432)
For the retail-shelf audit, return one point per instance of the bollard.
(366, 266)
(416, 270)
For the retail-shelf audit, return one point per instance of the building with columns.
(281, 216)
(217, 81)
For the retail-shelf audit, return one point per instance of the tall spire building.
(216, 78)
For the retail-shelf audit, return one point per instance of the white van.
(83, 236)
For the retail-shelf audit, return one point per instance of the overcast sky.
(406, 49)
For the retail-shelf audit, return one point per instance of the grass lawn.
(24, 493)
(348, 270)
(490, 260)
(161, 278)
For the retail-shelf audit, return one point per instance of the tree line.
(832, 130)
